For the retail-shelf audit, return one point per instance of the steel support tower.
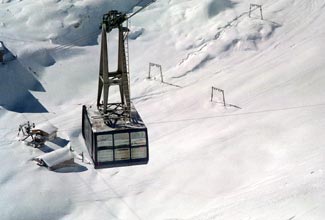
(120, 110)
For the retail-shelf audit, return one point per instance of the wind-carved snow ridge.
(61, 22)
(38, 58)
(240, 34)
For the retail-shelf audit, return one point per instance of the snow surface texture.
(263, 161)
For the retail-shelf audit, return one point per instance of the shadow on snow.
(16, 82)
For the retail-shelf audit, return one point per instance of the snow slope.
(262, 161)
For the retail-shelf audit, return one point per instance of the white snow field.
(264, 160)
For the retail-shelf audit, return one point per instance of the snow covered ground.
(264, 160)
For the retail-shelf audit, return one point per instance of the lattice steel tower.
(121, 110)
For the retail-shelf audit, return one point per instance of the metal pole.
(224, 100)
(149, 77)
(161, 74)
(212, 94)
(105, 67)
(250, 10)
(100, 78)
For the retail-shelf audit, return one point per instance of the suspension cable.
(149, 3)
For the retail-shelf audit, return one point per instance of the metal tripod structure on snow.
(121, 110)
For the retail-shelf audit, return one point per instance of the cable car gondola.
(114, 133)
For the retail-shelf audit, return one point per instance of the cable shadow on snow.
(147, 96)
(227, 105)
(171, 84)
(16, 84)
(164, 82)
